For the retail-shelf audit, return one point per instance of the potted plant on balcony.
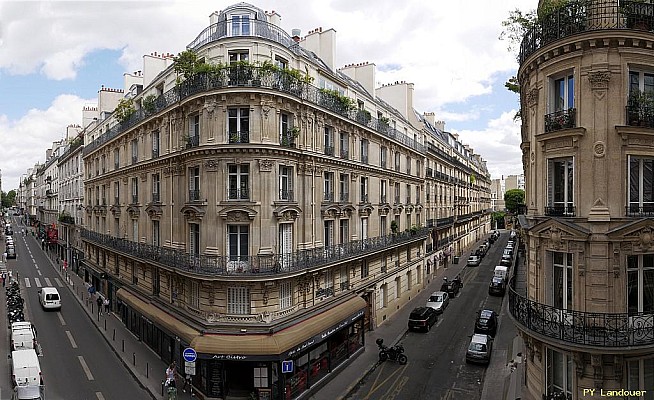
(394, 227)
(640, 108)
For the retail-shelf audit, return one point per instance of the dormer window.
(241, 25)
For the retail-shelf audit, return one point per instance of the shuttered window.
(238, 300)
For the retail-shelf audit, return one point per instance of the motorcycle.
(394, 353)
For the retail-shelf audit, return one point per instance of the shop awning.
(158, 316)
(323, 324)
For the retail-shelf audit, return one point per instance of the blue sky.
(55, 56)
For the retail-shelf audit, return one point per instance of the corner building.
(585, 306)
(246, 212)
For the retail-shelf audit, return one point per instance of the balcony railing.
(155, 197)
(135, 199)
(329, 150)
(364, 198)
(560, 211)
(236, 194)
(645, 210)
(640, 115)
(562, 119)
(382, 199)
(344, 197)
(328, 196)
(579, 327)
(238, 137)
(430, 172)
(364, 158)
(345, 154)
(286, 195)
(252, 265)
(445, 221)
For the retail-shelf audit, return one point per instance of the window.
(398, 287)
(194, 295)
(559, 373)
(285, 135)
(365, 268)
(286, 183)
(328, 233)
(117, 227)
(409, 278)
(156, 235)
(640, 375)
(418, 195)
(364, 189)
(397, 193)
(364, 228)
(344, 188)
(382, 156)
(261, 377)
(135, 190)
(155, 144)
(104, 163)
(562, 280)
(408, 165)
(194, 239)
(382, 192)
(344, 145)
(329, 186)
(383, 296)
(116, 158)
(281, 62)
(240, 25)
(382, 225)
(135, 230)
(364, 151)
(344, 230)
(640, 81)
(238, 55)
(285, 295)
(238, 125)
(408, 194)
(328, 289)
(238, 243)
(135, 151)
(156, 186)
(193, 130)
(560, 186)
(640, 284)
(238, 181)
(397, 161)
(641, 184)
(329, 141)
(345, 279)
(563, 93)
(238, 300)
(194, 184)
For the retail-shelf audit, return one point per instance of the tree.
(124, 109)
(512, 198)
(186, 63)
(497, 219)
(8, 199)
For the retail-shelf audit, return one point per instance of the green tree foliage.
(8, 199)
(124, 109)
(186, 63)
(512, 198)
(497, 219)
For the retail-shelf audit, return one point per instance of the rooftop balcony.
(252, 266)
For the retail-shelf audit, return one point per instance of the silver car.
(438, 301)
(479, 349)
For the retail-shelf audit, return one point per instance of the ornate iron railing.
(640, 115)
(235, 194)
(329, 150)
(252, 265)
(445, 221)
(251, 77)
(645, 210)
(562, 119)
(559, 211)
(286, 195)
(586, 16)
(580, 327)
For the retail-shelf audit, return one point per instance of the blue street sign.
(189, 354)
(287, 367)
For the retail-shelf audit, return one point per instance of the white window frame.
(194, 295)
(285, 295)
(565, 364)
(568, 187)
(238, 300)
(568, 99)
(241, 24)
(194, 239)
(641, 203)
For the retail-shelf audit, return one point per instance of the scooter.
(394, 353)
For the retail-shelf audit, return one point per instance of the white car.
(438, 301)
(474, 261)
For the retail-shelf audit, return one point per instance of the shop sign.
(325, 334)
(287, 367)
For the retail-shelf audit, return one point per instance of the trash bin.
(455, 260)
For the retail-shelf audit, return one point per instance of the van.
(49, 298)
(501, 272)
(23, 336)
(26, 375)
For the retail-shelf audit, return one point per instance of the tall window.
(238, 242)
(364, 228)
(116, 158)
(239, 176)
(641, 184)
(563, 93)
(284, 129)
(560, 185)
(383, 151)
(640, 284)
(194, 239)
(562, 280)
(364, 151)
(286, 183)
(329, 186)
(382, 192)
(194, 183)
(397, 193)
(240, 25)
(285, 295)
(559, 373)
(156, 187)
(640, 81)
(238, 300)
(135, 151)
(155, 144)
(329, 141)
(117, 192)
(194, 295)
(344, 230)
(382, 225)
(408, 165)
(135, 230)
(344, 187)
(135, 190)
(397, 161)
(328, 233)
(238, 125)
(364, 189)
(343, 143)
(640, 375)
(156, 234)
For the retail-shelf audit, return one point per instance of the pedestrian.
(99, 301)
(187, 383)
(106, 305)
(170, 380)
(4, 277)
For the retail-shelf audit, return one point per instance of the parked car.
(451, 287)
(497, 287)
(422, 318)
(506, 260)
(486, 322)
(479, 349)
(474, 261)
(11, 252)
(508, 250)
(438, 301)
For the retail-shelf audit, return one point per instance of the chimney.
(295, 33)
(430, 117)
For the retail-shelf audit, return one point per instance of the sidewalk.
(347, 378)
(144, 364)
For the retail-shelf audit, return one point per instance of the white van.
(501, 272)
(23, 336)
(26, 375)
(49, 298)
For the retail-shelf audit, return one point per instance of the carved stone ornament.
(599, 149)
(211, 165)
(555, 238)
(210, 105)
(266, 165)
(645, 238)
(532, 97)
(237, 216)
(599, 80)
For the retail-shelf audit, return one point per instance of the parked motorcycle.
(394, 353)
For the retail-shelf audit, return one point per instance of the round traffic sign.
(189, 354)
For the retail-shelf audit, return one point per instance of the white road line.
(47, 282)
(37, 281)
(39, 272)
(27, 282)
(85, 367)
(72, 341)
(99, 395)
(61, 319)
(59, 282)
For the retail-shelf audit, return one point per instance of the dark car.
(451, 287)
(11, 252)
(497, 287)
(422, 318)
(486, 322)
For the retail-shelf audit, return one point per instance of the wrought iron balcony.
(444, 221)
(364, 158)
(193, 195)
(238, 194)
(155, 152)
(155, 197)
(560, 211)
(344, 197)
(286, 195)
(329, 150)
(239, 137)
(583, 328)
(640, 115)
(563, 119)
(345, 154)
(364, 198)
(645, 210)
(252, 265)
(328, 196)
(135, 199)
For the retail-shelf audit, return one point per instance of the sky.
(56, 55)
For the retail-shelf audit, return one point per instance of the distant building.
(500, 186)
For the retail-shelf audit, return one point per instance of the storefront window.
(297, 383)
(319, 363)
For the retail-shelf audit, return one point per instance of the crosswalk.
(47, 282)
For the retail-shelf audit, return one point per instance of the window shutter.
(550, 183)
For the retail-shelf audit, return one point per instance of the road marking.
(99, 395)
(398, 387)
(72, 341)
(27, 282)
(374, 389)
(47, 282)
(85, 367)
(59, 282)
(37, 282)
(39, 272)
(61, 318)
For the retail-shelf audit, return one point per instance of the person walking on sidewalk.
(170, 381)
(99, 301)
(106, 305)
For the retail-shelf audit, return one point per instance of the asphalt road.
(76, 362)
(437, 367)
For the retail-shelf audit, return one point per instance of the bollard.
(123, 345)
(133, 358)
(162, 387)
(105, 324)
(147, 370)
(114, 336)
